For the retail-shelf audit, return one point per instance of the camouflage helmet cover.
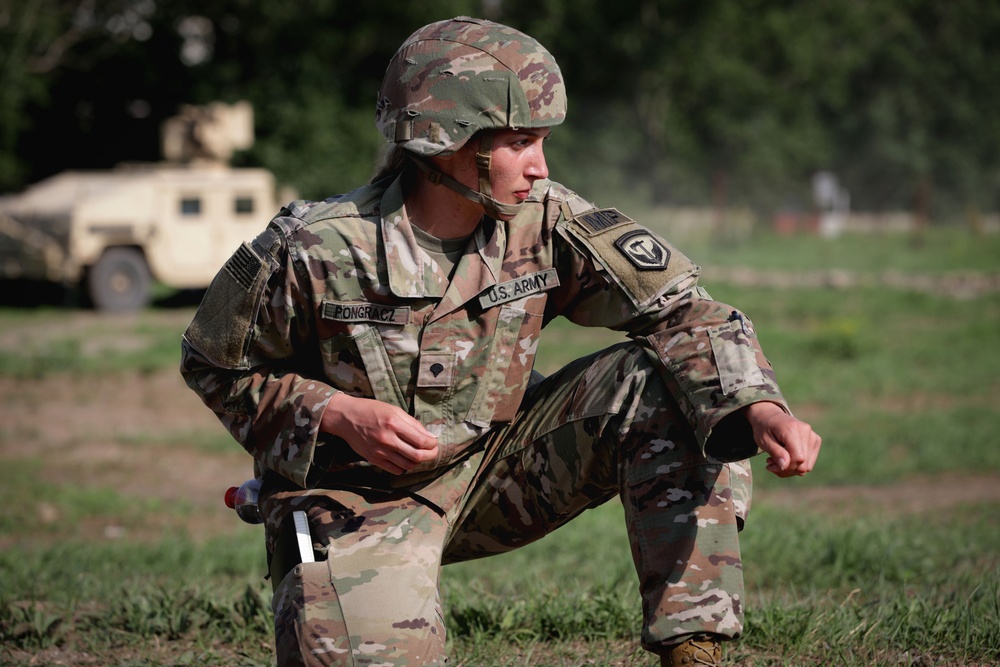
(453, 78)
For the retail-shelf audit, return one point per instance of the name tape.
(362, 311)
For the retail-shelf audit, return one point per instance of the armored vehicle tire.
(119, 281)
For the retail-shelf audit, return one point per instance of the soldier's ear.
(461, 164)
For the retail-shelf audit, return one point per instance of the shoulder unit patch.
(644, 250)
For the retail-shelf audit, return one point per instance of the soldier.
(374, 353)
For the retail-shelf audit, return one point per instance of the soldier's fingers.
(393, 461)
(779, 456)
(775, 469)
(417, 455)
(405, 455)
(813, 442)
(804, 443)
(422, 440)
(392, 468)
(411, 432)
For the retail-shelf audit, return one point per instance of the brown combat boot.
(692, 652)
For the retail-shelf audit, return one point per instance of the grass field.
(115, 548)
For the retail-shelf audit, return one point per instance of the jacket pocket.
(356, 362)
(735, 357)
(493, 380)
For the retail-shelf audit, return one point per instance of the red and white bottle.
(243, 499)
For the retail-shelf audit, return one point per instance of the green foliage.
(922, 584)
(935, 549)
(172, 614)
(744, 101)
(31, 625)
(887, 378)
(676, 102)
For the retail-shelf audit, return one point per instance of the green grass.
(50, 341)
(874, 589)
(927, 585)
(28, 499)
(906, 383)
(941, 250)
(116, 598)
(901, 385)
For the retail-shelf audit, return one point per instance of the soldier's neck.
(440, 211)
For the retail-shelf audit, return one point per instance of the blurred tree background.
(677, 102)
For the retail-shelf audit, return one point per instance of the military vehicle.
(113, 234)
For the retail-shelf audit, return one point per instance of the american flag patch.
(243, 266)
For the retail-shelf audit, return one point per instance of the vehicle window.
(191, 206)
(243, 205)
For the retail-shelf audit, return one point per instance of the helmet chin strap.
(484, 196)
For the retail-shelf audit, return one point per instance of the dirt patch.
(145, 436)
(913, 495)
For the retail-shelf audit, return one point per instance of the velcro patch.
(224, 322)
(644, 250)
(436, 369)
(518, 288)
(602, 220)
(362, 311)
(640, 262)
(243, 266)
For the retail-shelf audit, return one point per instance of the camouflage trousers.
(601, 427)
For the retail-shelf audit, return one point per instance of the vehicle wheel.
(119, 281)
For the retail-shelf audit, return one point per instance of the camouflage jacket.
(337, 296)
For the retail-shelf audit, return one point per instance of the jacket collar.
(411, 272)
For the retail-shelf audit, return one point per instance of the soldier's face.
(518, 161)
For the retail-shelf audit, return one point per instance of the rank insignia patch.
(644, 250)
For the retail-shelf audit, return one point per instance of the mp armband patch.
(602, 219)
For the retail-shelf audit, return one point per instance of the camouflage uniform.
(337, 296)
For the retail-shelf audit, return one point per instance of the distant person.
(374, 353)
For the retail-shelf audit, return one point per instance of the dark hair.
(392, 163)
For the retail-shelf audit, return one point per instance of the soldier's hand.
(791, 444)
(386, 436)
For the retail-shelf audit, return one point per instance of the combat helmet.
(454, 78)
